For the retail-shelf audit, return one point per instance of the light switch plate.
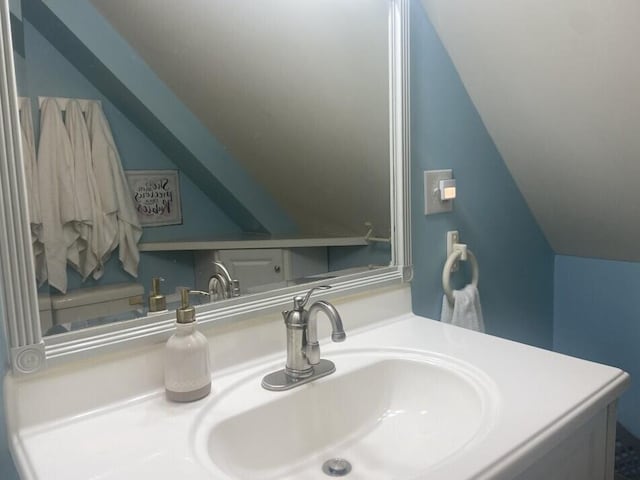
(432, 202)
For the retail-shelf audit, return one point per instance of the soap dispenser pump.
(157, 301)
(187, 374)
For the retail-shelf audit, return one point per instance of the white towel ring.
(446, 272)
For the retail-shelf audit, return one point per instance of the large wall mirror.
(260, 145)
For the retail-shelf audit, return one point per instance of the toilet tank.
(97, 302)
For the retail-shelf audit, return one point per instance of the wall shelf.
(251, 241)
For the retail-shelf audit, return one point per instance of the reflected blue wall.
(516, 262)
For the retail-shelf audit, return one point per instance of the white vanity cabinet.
(259, 267)
(585, 454)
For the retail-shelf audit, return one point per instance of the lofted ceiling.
(557, 85)
(297, 92)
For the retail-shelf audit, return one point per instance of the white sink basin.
(391, 414)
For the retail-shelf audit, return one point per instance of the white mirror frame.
(30, 353)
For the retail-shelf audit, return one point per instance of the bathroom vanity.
(411, 398)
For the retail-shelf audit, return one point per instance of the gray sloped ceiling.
(296, 91)
(557, 84)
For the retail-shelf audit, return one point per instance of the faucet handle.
(235, 288)
(299, 301)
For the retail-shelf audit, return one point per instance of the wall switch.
(433, 202)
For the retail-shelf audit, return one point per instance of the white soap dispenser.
(187, 374)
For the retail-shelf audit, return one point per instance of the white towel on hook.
(107, 239)
(121, 224)
(466, 311)
(87, 198)
(55, 180)
(33, 191)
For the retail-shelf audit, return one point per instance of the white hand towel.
(466, 311)
(107, 239)
(57, 206)
(87, 199)
(33, 191)
(121, 224)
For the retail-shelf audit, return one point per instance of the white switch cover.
(432, 202)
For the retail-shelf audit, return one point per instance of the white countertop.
(539, 394)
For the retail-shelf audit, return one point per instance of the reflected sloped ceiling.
(271, 93)
(557, 85)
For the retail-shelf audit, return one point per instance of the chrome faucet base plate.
(279, 381)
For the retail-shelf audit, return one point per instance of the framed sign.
(156, 196)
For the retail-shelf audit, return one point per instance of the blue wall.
(516, 262)
(48, 73)
(597, 317)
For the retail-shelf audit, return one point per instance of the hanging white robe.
(33, 190)
(57, 204)
(121, 225)
(88, 207)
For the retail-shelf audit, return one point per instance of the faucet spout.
(221, 285)
(218, 288)
(312, 350)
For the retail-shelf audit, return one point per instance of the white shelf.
(251, 242)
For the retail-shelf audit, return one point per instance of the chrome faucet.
(303, 351)
(221, 285)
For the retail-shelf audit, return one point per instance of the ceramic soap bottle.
(187, 374)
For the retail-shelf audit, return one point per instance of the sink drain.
(336, 467)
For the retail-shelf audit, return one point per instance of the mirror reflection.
(228, 147)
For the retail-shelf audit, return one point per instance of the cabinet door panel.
(581, 456)
(253, 267)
